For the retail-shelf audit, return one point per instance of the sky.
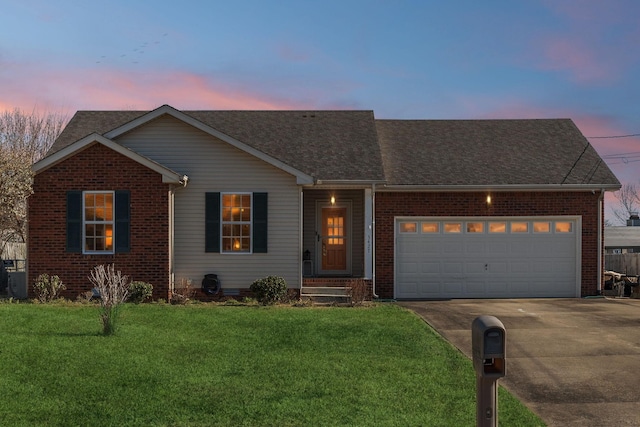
(420, 59)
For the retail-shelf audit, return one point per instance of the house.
(623, 239)
(418, 208)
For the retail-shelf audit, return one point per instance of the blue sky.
(403, 59)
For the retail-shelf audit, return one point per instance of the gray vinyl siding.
(356, 197)
(215, 166)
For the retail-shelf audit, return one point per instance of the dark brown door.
(334, 239)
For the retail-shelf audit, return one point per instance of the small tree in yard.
(114, 290)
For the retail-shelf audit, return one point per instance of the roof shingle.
(354, 146)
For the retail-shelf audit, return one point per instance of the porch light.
(489, 199)
(333, 200)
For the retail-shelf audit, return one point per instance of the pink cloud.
(581, 61)
(594, 42)
(27, 86)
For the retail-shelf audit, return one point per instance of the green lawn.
(204, 365)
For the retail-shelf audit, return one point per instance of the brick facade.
(98, 168)
(390, 205)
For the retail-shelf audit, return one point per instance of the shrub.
(140, 291)
(47, 288)
(182, 292)
(114, 290)
(269, 290)
(358, 291)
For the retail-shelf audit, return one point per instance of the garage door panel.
(520, 247)
(407, 246)
(449, 247)
(542, 267)
(430, 267)
(488, 264)
(475, 288)
(498, 267)
(408, 267)
(497, 247)
(520, 267)
(563, 246)
(452, 267)
(430, 247)
(474, 267)
(453, 286)
(474, 247)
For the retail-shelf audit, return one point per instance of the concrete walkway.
(574, 362)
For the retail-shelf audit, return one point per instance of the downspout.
(373, 243)
(301, 239)
(172, 221)
(600, 242)
(172, 192)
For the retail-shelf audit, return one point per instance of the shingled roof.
(544, 152)
(328, 145)
(354, 146)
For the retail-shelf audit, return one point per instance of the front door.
(334, 239)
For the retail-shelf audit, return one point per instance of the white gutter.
(516, 187)
(301, 240)
(600, 242)
(373, 238)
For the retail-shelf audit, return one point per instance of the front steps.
(328, 290)
(326, 295)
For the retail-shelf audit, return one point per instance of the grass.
(208, 365)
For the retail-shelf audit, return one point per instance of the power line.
(614, 136)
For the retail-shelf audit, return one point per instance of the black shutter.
(260, 214)
(74, 221)
(123, 221)
(212, 222)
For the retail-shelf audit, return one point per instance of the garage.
(487, 257)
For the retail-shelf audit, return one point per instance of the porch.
(337, 236)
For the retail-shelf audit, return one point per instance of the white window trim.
(223, 223)
(112, 222)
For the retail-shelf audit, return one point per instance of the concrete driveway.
(574, 362)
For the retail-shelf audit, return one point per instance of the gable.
(206, 159)
(313, 145)
(168, 175)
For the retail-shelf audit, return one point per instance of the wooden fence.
(628, 264)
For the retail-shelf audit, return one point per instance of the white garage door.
(487, 257)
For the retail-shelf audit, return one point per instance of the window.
(408, 227)
(236, 222)
(452, 227)
(98, 222)
(497, 227)
(541, 227)
(564, 227)
(519, 227)
(430, 227)
(475, 227)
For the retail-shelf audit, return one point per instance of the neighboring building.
(623, 239)
(420, 208)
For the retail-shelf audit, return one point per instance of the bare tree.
(24, 139)
(628, 202)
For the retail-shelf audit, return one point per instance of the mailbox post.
(488, 349)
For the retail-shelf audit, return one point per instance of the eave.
(168, 176)
(501, 187)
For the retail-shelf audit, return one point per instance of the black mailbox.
(488, 339)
